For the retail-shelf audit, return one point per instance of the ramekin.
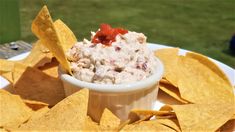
(119, 98)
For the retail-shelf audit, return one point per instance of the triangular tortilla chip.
(169, 57)
(229, 126)
(68, 115)
(90, 125)
(172, 123)
(172, 91)
(198, 84)
(67, 37)
(45, 30)
(142, 115)
(37, 114)
(13, 111)
(152, 112)
(6, 66)
(3, 130)
(164, 81)
(207, 62)
(149, 126)
(37, 57)
(31, 83)
(109, 121)
(35, 105)
(233, 117)
(51, 69)
(8, 76)
(196, 81)
(202, 117)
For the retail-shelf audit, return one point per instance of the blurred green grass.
(9, 18)
(204, 26)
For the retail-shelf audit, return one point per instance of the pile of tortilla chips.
(197, 94)
(36, 77)
(204, 93)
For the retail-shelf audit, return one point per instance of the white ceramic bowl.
(119, 98)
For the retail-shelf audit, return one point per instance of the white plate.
(230, 72)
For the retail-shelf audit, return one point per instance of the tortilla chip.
(67, 37)
(31, 83)
(9, 88)
(199, 84)
(152, 112)
(123, 124)
(35, 105)
(202, 117)
(207, 62)
(172, 123)
(166, 108)
(172, 91)
(37, 57)
(6, 66)
(109, 121)
(3, 130)
(233, 117)
(8, 76)
(13, 110)
(45, 30)
(90, 125)
(229, 126)
(35, 115)
(169, 57)
(211, 87)
(164, 98)
(51, 69)
(142, 115)
(164, 81)
(150, 126)
(38, 114)
(68, 115)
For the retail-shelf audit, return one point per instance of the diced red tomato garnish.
(106, 35)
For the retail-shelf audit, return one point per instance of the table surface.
(6, 51)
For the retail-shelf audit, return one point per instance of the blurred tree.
(9, 21)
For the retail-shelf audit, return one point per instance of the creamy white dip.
(127, 60)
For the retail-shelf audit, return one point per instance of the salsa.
(106, 35)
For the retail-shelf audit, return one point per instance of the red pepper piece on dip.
(106, 35)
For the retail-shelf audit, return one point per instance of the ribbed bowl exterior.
(119, 103)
